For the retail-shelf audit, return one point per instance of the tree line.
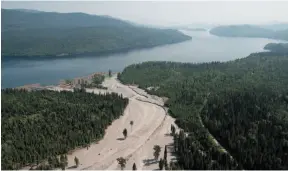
(242, 103)
(39, 125)
(72, 34)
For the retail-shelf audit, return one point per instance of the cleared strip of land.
(151, 127)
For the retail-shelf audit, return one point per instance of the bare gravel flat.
(151, 127)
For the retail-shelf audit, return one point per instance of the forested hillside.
(40, 34)
(242, 103)
(249, 31)
(42, 124)
(277, 47)
(13, 19)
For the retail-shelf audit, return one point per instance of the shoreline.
(35, 84)
(87, 54)
(61, 83)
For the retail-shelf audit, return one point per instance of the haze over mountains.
(35, 33)
(278, 31)
(276, 26)
(196, 105)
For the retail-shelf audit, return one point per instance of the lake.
(203, 47)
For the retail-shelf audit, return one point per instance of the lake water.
(202, 48)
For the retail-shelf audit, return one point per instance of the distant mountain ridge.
(29, 19)
(250, 31)
(26, 10)
(50, 34)
(277, 47)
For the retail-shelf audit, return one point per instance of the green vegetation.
(165, 153)
(161, 164)
(98, 79)
(134, 167)
(277, 47)
(157, 150)
(95, 82)
(76, 160)
(63, 162)
(242, 103)
(53, 162)
(122, 162)
(173, 130)
(165, 158)
(249, 31)
(24, 34)
(68, 81)
(39, 125)
(125, 133)
(131, 123)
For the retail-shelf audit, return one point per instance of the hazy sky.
(171, 13)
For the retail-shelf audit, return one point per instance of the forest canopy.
(42, 124)
(250, 31)
(277, 47)
(50, 34)
(242, 103)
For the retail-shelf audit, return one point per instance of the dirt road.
(151, 127)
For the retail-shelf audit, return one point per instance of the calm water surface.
(202, 48)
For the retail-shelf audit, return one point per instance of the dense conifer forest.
(51, 34)
(251, 31)
(43, 124)
(277, 47)
(242, 103)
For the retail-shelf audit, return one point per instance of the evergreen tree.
(165, 153)
(161, 164)
(125, 133)
(131, 123)
(134, 167)
(62, 158)
(65, 160)
(252, 91)
(121, 162)
(62, 165)
(172, 129)
(76, 160)
(48, 119)
(166, 166)
(157, 150)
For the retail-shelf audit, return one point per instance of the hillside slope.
(277, 47)
(249, 31)
(43, 124)
(242, 103)
(39, 34)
